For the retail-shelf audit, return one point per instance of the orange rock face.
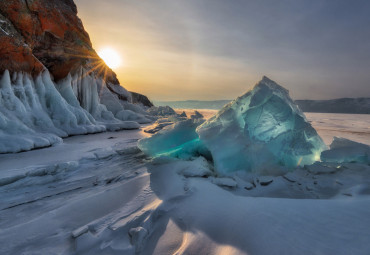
(37, 34)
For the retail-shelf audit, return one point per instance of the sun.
(111, 57)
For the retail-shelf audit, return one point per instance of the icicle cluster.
(36, 113)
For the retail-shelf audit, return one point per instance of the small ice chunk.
(157, 127)
(197, 115)
(183, 115)
(344, 151)
(196, 168)
(319, 168)
(291, 177)
(248, 186)
(224, 181)
(104, 153)
(265, 180)
(138, 236)
(179, 140)
(80, 231)
(161, 111)
(123, 149)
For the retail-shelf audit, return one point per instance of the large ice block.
(262, 131)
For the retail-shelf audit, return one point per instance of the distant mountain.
(341, 105)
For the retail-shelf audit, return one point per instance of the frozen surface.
(96, 194)
(99, 194)
(354, 127)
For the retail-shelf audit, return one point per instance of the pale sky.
(218, 49)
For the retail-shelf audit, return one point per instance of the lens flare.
(110, 57)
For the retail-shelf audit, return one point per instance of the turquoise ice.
(179, 140)
(262, 131)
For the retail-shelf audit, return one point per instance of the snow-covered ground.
(98, 194)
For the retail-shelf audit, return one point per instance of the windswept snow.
(98, 194)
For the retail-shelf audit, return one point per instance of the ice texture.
(37, 112)
(179, 140)
(261, 131)
(345, 151)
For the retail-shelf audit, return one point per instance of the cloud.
(213, 49)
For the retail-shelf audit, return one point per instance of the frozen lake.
(98, 194)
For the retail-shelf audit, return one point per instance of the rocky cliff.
(38, 34)
(52, 82)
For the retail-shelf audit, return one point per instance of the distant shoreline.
(341, 105)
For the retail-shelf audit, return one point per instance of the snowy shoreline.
(99, 194)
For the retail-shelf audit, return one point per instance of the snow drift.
(36, 112)
(261, 131)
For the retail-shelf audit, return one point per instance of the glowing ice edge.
(262, 131)
(37, 112)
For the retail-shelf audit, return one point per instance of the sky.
(218, 49)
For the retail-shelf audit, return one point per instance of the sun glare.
(110, 57)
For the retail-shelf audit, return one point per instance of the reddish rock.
(15, 54)
(54, 37)
(38, 34)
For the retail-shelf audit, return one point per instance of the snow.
(198, 167)
(224, 181)
(100, 194)
(36, 112)
(65, 200)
